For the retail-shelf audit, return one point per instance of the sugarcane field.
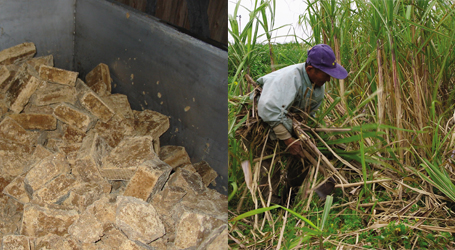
(345, 138)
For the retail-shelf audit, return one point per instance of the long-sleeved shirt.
(283, 89)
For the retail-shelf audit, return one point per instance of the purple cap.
(321, 56)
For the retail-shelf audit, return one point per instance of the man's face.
(318, 77)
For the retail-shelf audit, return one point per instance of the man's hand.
(295, 147)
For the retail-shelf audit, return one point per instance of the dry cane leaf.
(247, 173)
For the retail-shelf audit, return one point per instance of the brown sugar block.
(130, 153)
(74, 116)
(112, 238)
(5, 78)
(3, 108)
(206, 172)
(132, 245)
(201, 205)
(209, 202)
(188, 167)
(138, 219)
(114, 130)
(191, 182)
(157, 146)
(149, 178)
(34, 109)
(104, 211)
(54, 93)
(83, 195)
(86, 169)
(41, 152)
(174, 155)
(116, 174)
(91, 246)
(119, 103)
(72, 134)
(10, 215)
(20, 91)
(44, 171)
(40, 221)
(99, 76)
(17, 53)
(193, 228)
(34, 136)
(35, 121)
(101, 89)
(87, 229)
(57, 75)
(16, 242)
(151, 123)
(73, 243)
(54, 145)
(10, 129)
(55, 189)
(58, 133)
(94, 147)
(36, 62)
(173, 194)
(16, 190)
(164, 202)
(52, 241)
(97, 107)
(93, 103)
(15, 157)
(70, 149)
(218, 239)
(219, 200)
(7, 74)
(160, 243)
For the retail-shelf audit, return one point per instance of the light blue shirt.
(283, 89)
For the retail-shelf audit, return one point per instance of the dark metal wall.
(160, 69)
(49, 24)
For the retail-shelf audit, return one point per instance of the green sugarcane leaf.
(362, 160)
(326, 212)
(254, 212)
(356, 138)
(309, 231)
(234, 190)
(240, 123)
(301, 217)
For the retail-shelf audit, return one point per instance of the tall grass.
(412, 42)
(398, 102)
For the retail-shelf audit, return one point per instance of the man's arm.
(277, 96)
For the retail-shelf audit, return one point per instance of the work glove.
(294, 147)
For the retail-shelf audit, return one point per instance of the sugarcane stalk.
(307, 142)
(328, 130)
(360, 183)
(381, 95)
(397, 92)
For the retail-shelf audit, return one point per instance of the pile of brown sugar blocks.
(79, 169)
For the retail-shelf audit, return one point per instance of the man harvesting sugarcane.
(300, 86)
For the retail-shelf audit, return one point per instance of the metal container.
(156, 66)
